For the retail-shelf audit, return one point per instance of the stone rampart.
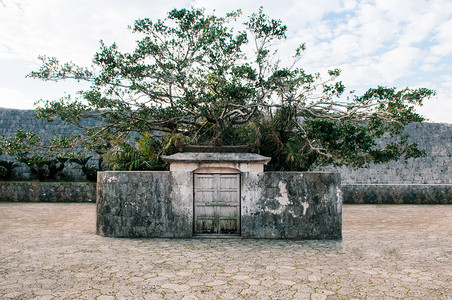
(11, 120)
(430, 174)
(435, 138)
(22, 191)
(397, 193)
(435, 168)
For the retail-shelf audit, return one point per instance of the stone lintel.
(212, 157)
(216, 167)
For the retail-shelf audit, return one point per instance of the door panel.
(217, 203)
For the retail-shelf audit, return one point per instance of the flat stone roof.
(213, 157)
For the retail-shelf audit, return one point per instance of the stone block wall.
(435, 138)
(435, 168)
(397, 193)
(425, 180)
(12, 120)
(47, 191)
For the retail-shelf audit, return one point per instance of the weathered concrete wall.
(397, 193)
(139, 204)
(292, 205)
(47, 191)
(273, 205)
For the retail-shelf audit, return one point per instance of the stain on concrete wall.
(293, 205)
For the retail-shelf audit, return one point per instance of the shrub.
(6, 169)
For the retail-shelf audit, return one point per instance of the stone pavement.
(51, 251)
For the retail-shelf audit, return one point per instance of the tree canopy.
(194, 77)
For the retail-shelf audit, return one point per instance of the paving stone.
(51, 251)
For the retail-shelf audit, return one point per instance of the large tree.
(194, 77)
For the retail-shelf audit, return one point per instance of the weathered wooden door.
(217, 203)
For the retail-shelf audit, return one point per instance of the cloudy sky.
(395, 43)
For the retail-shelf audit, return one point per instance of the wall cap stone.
(212, 157)
(397, 184)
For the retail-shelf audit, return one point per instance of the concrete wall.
(273, 205)
(292, 205)
(139, 204)
(47, 191)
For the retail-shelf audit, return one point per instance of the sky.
(393, 43)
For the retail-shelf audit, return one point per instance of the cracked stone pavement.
(51, 251)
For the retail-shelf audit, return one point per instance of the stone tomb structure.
(219, 194)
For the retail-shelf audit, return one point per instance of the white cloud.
(349, 4)
(438, 109)
(389, 42)
(70, 30)
(13, 98)
(443, 39)
(397, 63)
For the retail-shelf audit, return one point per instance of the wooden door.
(217, 203)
